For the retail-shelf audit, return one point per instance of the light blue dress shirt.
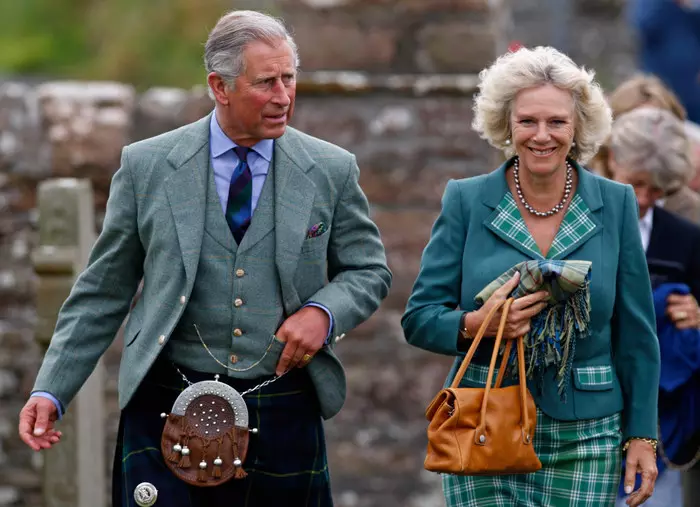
(224, 161)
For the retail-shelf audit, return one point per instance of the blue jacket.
(669, 47)
(679, 387)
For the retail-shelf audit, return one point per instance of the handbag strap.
(479, 434)
(475, 343)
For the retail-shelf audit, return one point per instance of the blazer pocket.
(132, 328)
(317, 243)
(593, 378)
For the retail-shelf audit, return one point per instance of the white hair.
(653, 140)
(528, 68)
(223, 51)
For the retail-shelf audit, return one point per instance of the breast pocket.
(593, 378)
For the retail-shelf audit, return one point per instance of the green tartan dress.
(580, 459)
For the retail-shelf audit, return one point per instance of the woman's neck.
(543, 191)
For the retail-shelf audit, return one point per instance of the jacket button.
(237, 332)
(233, 358)
(237, 302)
(182, 300)
(161, 339)
(240, 273)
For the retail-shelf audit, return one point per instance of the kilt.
(580, 468)
(286, 461)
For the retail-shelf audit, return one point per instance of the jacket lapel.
(294, 199)
(582, 221)
(501, 221)
(186, 191)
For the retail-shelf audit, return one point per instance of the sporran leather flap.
(205, 438)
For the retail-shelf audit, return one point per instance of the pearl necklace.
(555, 209)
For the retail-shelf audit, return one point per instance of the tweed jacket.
(616, 368)
(153, 230)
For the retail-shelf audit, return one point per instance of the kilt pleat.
(286, 461)
(580, 468)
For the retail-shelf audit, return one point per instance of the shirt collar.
(648, 219)
(220, 142)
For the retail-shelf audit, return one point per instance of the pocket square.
(316, 230)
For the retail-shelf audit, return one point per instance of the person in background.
(548, 116)
(692, 130)
(640, 91)
(668, 33)
(649, 150)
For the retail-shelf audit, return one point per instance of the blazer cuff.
(330, 317)
(49, 396)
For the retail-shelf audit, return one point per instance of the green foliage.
(143, 42)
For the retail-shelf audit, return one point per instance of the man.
(257, 254)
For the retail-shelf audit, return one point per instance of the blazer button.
(237, 302)
(240, 273)
(161, 339)
(233, 358)
(182, 300)
(237, 332)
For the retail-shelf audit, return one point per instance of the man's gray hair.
(223, 51)
(653, 140)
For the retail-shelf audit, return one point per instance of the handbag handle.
(479, 436)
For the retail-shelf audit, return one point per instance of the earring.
(507, 143)
(573, 144)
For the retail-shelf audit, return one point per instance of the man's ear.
(218, 87)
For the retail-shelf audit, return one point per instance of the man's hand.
(304, 332)
(36, 423)
(683, 311)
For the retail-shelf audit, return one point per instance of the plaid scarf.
(553, 331)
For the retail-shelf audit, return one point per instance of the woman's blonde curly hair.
(529, 68)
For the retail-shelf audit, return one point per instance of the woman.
(648, 91)
(548, 115)
(649, 150)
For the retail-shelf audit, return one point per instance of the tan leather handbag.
(484, 430)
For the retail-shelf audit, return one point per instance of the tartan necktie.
(240, 196)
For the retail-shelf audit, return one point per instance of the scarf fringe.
(552, 339)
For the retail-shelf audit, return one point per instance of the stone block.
(335, 41)
(456, 46)
(85, 126)
(404, 233)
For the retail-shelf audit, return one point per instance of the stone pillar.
(74, 471)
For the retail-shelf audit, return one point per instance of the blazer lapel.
(186, 191)
(502, 221)
(583, 219)
(294, 199)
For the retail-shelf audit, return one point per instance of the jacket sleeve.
(431, 320)
(635, 344)
(99, 300)
(358, 275)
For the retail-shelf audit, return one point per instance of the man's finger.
(26, 426)
(284, 363)
(42, 420)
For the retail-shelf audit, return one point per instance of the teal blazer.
(616, 368)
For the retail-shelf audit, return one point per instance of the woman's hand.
(521, 311)
(641, 459)
(683, 311)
